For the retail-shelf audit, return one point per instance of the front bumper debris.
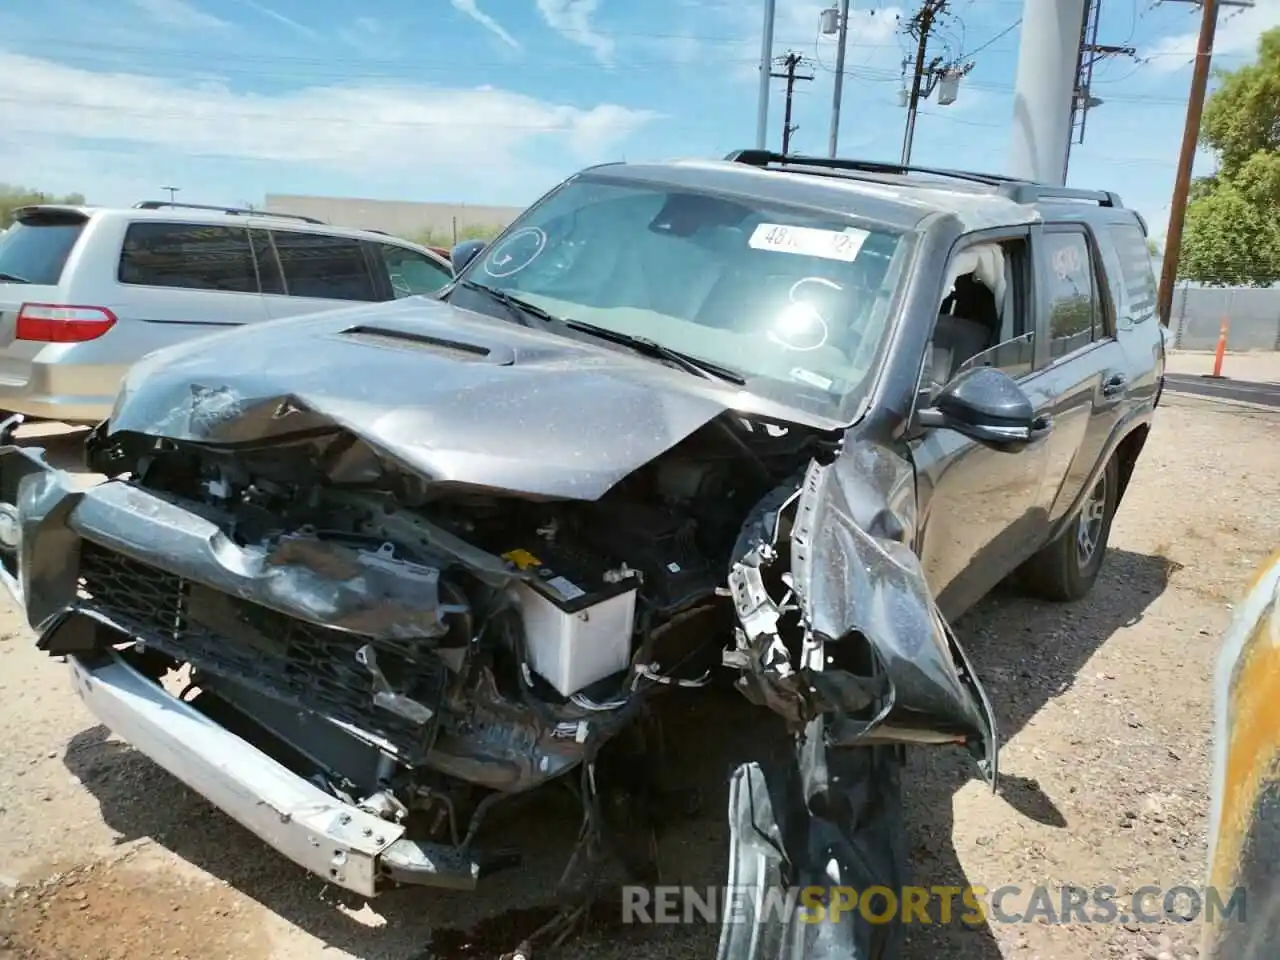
(347, 846)
(55, 518)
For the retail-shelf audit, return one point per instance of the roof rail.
(1027, 192)
(764, 158)
(1015, 189)
(235, 211)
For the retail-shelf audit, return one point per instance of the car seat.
(955, 340)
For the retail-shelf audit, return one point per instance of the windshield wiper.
(520, 310)
(12, 278)
(652, 348)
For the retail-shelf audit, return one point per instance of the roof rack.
(1019, 191)
(235, 211)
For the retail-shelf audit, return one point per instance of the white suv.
(87, 291)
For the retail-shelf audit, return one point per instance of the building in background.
(439, 224)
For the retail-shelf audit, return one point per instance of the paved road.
(1267, 394)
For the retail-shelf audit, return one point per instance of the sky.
(496, 101)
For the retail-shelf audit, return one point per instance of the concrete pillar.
(1048, 57)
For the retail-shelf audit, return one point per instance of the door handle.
(1114, 384)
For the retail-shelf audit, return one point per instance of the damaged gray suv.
(773, 419)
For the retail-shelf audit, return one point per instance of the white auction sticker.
(809, 241)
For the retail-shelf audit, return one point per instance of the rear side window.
(192, 256)
(35, 251)
(1071, 295)
(1137, 280)
(410, 273)
(329, 268)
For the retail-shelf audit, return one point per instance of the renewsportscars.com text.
(972, 905)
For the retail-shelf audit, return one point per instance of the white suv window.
(194, 256)
(323, 266)
(36, 250)
(410, 273)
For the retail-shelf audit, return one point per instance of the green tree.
(1232, 231)
(12, 197)
(444, 238)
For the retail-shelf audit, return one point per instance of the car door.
(407, 272)
(189, 274)
(979, 508)
(320, 271)
(1082, 384)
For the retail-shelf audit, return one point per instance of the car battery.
(578, 625)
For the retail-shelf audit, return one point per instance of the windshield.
(796, 301)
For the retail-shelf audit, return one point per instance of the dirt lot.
(1103, 706)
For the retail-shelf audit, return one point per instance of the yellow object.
(1246, 773)
(523, 559)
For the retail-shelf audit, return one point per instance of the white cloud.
(179, 13)
(469, 8)
(1237, 33)
(361, 131)
(572, 20)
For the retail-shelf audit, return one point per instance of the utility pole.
(838, 87)
(1082, 99)
(791, 61)
(766, 66)
(920, 25)
(1187, 155)
(172, 192)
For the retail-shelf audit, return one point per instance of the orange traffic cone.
(1221, 350)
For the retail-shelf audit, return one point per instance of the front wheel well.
(1127, 455)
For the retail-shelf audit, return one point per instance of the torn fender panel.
(854, 572)
(450, 395)
(803, 838)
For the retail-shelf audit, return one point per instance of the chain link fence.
(1253, 315)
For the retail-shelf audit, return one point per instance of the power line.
(925, 77)
(791, 62)
(216, 65)
(1003, 33)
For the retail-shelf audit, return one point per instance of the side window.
(410, 273)
(984, 318)
(1137, 276)
(269, 277)
(1071, 293)
(321, 266)
(192, 256)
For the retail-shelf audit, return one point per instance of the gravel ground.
(1103, 707)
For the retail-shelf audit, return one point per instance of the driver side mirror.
(463, 253)
(986, 405)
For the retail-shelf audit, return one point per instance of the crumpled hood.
(453, 395)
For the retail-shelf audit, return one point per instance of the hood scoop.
(455, 349)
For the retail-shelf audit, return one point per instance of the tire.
(1060, 572)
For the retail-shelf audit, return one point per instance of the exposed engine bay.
(497, 642)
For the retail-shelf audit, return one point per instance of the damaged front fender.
(856, 637)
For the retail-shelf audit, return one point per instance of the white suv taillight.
(51, 323)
